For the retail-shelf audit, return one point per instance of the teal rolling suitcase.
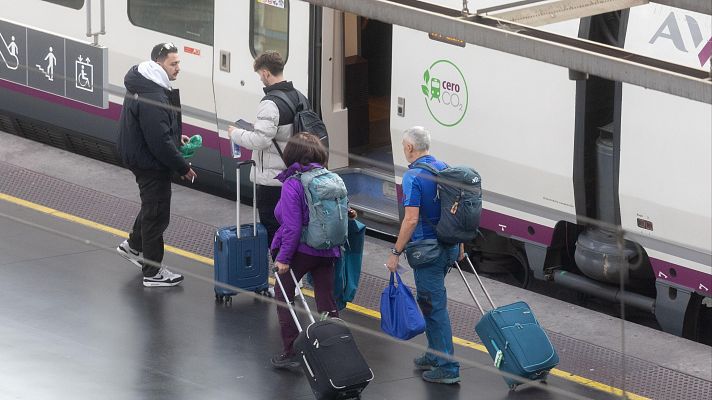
(514, 339)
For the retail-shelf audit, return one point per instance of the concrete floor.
(76, 323)
(557, 316)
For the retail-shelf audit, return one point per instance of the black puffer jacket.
(150, 126)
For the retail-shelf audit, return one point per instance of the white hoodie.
(155, 73)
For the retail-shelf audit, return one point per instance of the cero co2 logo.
(445, 92)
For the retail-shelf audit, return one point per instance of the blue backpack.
(328, 209)
(460, 194)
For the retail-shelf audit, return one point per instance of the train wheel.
(698, 320)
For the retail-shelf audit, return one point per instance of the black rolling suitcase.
(240, 255)
(329, 356)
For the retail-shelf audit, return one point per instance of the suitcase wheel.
(223, 299)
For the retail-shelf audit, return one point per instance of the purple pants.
(322, 271)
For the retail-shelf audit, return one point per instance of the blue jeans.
(432, 299)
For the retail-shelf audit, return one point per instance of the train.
(588, 183)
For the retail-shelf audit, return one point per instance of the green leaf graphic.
(426, 76)
(425, 90)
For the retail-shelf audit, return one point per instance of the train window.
(75, 4)
(269, 24)
(188, 19)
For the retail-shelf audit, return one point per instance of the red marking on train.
(191, 50)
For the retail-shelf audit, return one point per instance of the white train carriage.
(565, 158)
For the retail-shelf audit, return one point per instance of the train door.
(367, 89)
(243, 30)
(358, 74)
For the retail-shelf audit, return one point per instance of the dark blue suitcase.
(514, 339)
(241, 258)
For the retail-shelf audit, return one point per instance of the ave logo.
(671, 29)
(445, 91)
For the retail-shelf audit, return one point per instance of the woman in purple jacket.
(303, 153)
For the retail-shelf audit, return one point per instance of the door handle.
(224, 61)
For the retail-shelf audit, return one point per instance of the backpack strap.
(435, 172)
(282, 95)
(427, 167)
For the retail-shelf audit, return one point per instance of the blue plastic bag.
(400, 315)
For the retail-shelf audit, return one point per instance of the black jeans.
(147, 232)
(267, 198)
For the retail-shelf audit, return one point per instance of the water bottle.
(235, 150)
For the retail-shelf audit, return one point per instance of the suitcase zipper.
(308, 366)
(336, 387)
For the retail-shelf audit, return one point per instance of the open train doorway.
(367, 89)
(367, 56)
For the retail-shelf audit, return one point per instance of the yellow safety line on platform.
(353, 307)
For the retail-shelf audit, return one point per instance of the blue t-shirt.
(420, 190)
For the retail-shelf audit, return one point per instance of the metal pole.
(88, 3)
(103, 18)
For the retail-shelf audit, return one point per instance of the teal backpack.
(328, 209)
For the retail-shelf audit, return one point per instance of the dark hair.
(271, 61)
(161, 51)
(304, 148)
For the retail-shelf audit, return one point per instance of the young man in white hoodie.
(149, 137)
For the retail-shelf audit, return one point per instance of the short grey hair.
(419, 137)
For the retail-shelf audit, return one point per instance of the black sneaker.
(284, 361)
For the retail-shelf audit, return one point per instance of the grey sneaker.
(164, 277)
(423, 363)
(133, 256)
(439, 375)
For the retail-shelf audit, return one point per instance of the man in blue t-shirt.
(422, 213)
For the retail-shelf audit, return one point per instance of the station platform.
(75, 321)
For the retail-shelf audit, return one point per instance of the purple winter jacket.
(292, 213)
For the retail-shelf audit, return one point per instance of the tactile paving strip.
(577, 357)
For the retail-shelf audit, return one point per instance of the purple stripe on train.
(113, 112)
(507, 225)
(696, 280)
(211, 138)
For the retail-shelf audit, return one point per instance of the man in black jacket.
(149, 136)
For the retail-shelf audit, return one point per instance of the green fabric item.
(188, 149)
(347, 269)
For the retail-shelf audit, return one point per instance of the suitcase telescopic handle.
(457, 264)
(254, 196)
(300, 295)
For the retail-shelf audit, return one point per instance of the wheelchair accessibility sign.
(54, 64)
(84, 74)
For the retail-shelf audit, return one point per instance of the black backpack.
(460, 194)
(305, 119)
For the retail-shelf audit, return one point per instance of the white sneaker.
(164, 277)
(133, 256)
